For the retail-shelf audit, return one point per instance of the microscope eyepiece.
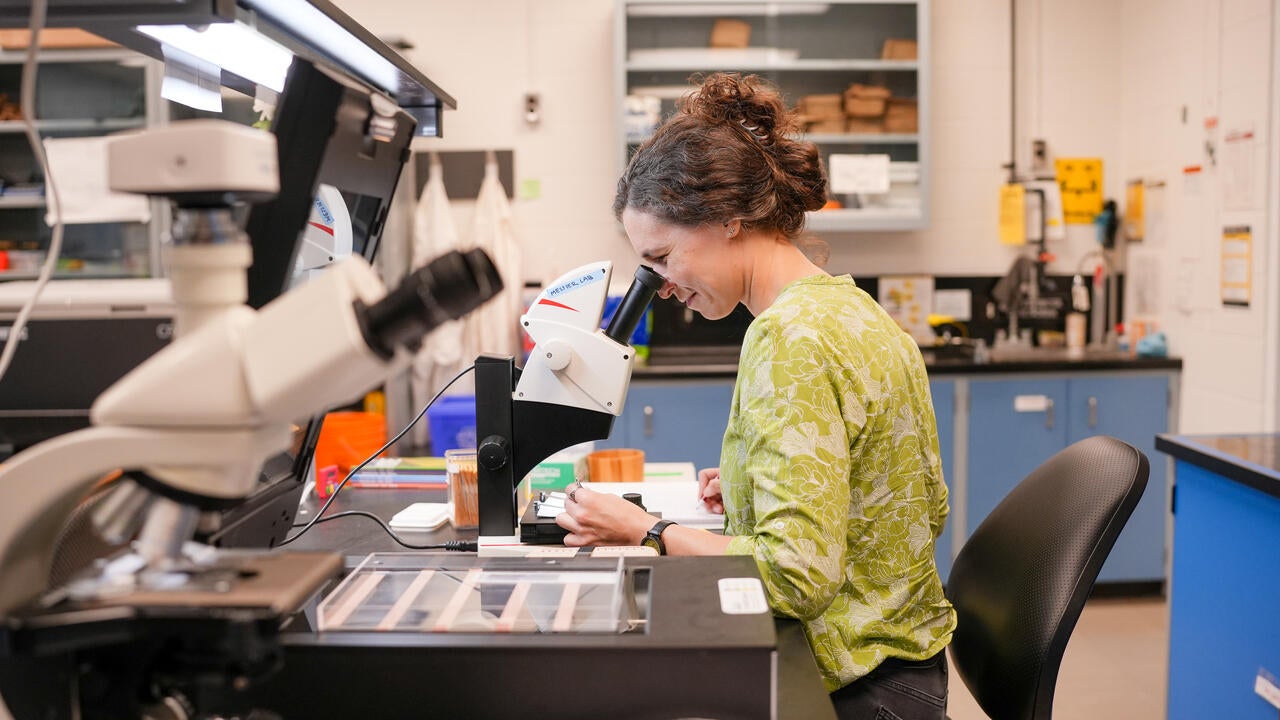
(445, 289)
(647, 283)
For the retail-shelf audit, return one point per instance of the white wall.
(1096, 78)
(1213, 58)
(488, 53)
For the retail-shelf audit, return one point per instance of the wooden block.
(902, 116)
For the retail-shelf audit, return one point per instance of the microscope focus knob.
(494, 451)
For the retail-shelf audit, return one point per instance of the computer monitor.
(331, 130)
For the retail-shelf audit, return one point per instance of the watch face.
(650, 543)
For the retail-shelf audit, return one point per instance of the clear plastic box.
(464, 495)
(433, 592)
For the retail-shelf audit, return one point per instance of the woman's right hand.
(709, 490)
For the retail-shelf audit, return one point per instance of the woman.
(830, 476)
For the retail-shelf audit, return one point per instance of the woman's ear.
(732, 227)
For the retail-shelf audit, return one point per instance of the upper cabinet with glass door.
(857, 71)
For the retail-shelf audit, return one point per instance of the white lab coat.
(442, 354)
(495, 325)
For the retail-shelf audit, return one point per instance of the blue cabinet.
(1016, 424)
(675, 421)
(944, 409)
(1135, 410)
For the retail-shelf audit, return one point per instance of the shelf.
(884, 219)
(862, 138)
(22, 201)
(843, 139)
(74, 125)
(713, 63)
(733, 8)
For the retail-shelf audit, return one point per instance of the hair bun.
(747, 101)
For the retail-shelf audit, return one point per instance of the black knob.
(494, 451)
(634, 499)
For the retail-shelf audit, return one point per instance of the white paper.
(676, 500)
(79, 168)
(909, 300)
(956, 303)
(1153, 215)
(1055, 227)
(857, 174)
(1239, 191)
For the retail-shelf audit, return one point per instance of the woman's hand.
(709, 490)
(596, 518)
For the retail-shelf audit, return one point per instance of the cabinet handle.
(1048, 414)
(1093, 412)
(648, 421)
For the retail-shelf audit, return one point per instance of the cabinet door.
(675, 421)
(944, 408)
(1135, 410)
(1014, 425)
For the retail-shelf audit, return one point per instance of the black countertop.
(1252, 460)
(1035, 361)
(800, 690)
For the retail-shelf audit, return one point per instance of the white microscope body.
(193, 425)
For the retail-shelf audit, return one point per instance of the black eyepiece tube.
(445, 289)
(634, 303)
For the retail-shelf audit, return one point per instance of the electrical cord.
(454, 545)
(27, 98)
(463, 545)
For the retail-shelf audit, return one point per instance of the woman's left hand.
(596, 518)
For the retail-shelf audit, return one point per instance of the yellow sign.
(1133, 225)
(1013, 215)
(1080, 180)
(1237, 265)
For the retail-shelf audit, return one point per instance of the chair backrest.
(1021, 580)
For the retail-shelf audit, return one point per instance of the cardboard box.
(865, 101)
(821, 107)
(53, 38)
(830, 125)
(902, 116)
(730, 34)
(899, 49)
(863, 125)
(557, 471)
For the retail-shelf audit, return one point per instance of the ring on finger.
(573, 495)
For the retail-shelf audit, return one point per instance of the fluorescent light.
(322, 32)
(234, 47)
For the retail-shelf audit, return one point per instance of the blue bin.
(452, 421)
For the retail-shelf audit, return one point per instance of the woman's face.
(701, 265)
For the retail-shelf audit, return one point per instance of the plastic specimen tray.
(432, 592)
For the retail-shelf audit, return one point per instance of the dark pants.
(897, 690)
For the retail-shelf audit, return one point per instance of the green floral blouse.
(832, 480)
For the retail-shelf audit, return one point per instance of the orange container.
(620, 465)
(349, 438)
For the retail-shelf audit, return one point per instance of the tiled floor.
(1115, 665)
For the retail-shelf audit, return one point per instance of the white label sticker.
(1030, 403)
(624, 551)
(552, 551)
(742, 596)
(1265, 686)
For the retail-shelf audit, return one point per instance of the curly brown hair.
(729, 152)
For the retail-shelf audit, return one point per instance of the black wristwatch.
(653, 538)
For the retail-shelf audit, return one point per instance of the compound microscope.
(191, 427)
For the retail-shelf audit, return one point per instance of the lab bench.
(996, 422)
(1224, 633)
(799, 689)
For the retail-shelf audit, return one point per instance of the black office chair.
(1020, 582)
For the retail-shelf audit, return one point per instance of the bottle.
(1075, 334)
